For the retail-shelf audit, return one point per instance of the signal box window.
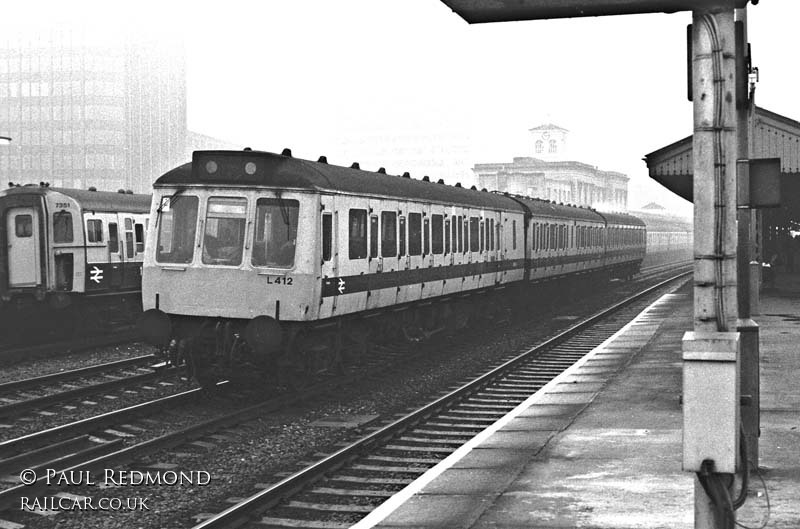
(327, 236)
(113, 237)
(23, 226)
(62, 226)
(388, 233)
(275, 235)
(358, 233)
(177, 225)
(223, 240)
(414, 234)
(139, 229)
(437, 240)
(94, 230)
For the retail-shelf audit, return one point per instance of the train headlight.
(155, 327)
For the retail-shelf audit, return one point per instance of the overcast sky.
(385, 81)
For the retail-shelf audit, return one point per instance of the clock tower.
(549, 142)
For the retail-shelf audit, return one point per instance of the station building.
(93, 107)
(778, 229)
(551, 174)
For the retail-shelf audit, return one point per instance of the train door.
(98, 267)
(23, 247)
(131, 274)
(115, 252)
(332, 252)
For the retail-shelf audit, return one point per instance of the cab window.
(23, 226)
(62, 226)
(177, 225)
(276, 232)
(223, 240)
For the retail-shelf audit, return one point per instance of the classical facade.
(551, 175)
(95, 107)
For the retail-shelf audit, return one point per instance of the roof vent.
(323, 159)
(129, 191)
(121, 191)
(286, 152)
(458, 184)
(485, 190)
(474, 188)
(382, 170)
(441, 181)
(426, 178)
(406, 175)
(247, 149)
(92, 188)
(11, 184)
(355, 166)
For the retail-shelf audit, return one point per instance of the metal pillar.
(715, 235)
(749, 344)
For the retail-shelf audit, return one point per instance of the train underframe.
(215, 349)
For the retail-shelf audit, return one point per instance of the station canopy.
(772, 136)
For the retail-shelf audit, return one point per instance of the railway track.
(342, 488)
(60, 389)
(123, 436)
(19, 353)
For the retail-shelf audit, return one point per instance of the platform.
(583, 454)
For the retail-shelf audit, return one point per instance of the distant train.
(670, 238)
(69, 255)
(277, 265)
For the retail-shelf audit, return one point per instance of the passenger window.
(491, 234)
(426, 237)
(474, 231)
(139, 237)
(94, 230)
(23, 226)
(275, 236)
(223, 240)
(436, 234)
(447, 236)
(414, 234)
(460, 235)
(373, 236)
(327, 236)
(358, 234)
(113, 237)
(388, 233)
(402, 236)
(514, 234)
(454, 233)
(466, 234)
(177, 226)
(484, 246)
(62, 226)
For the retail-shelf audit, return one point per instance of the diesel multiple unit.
(283, 265)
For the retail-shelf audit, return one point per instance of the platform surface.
(601, 448)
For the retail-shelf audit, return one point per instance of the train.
(670, 237)
(263, 264)
(72, 259)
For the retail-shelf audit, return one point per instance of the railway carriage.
(274, 262)
(64, 246)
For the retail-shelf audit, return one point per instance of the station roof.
(772, 136)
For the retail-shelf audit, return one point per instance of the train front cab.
(227, 252)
